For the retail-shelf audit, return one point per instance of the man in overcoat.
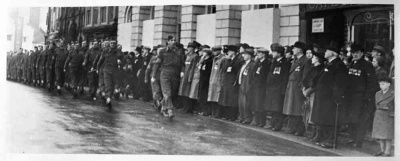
(363, 85)
(262, 67)
(215, 81)
(245, 80)
(294, 97)
(276, 86)
(228, 97)
(192, 58)
(329, 95)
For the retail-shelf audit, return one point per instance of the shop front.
(340, 24)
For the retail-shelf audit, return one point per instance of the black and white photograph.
(226, 79)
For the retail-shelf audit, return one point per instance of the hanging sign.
(317, 25)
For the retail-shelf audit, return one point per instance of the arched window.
(128, 14)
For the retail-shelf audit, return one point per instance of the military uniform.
(61, 55)
(93, 77)
(74, 62)
(153, 71)
(50, 70)
(111, 61)
(41, 62)
(172, 62)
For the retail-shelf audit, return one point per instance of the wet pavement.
(43, 122)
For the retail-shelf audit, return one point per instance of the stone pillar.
(189, 22)
(165, 23)
(290, 24)
(139, 14)
(228, 23)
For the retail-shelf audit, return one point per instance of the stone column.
(228, 23)
(139, 14)
(189, 22)
(290, 24)
(165, 23)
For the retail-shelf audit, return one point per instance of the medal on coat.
(358, 72)
(258, 70)
(326, 70)
(129, 66)
(204, 67)
(277, 70)
(297, 69)
(229, 69)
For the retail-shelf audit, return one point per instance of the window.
(264, 6)
(95, 15)
(103, 13)
(24, 39)
(9, 37)
(88, 16)
(210, 9)
(110, 14)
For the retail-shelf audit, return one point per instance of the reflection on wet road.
(42, 122)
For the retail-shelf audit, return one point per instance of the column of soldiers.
(309, 88)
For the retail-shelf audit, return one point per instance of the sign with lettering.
(317, 25)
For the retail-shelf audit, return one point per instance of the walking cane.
(336, 126)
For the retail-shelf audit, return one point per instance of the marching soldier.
(83, 49)
(172, 66)
(276, 86)
(50, 71)
(119, 74)
(41, 61)
(262, 67)
(74, 62)
(93, 77)
(294, 97)
(111, 59)
(37, 69)
(363, 85)
(61, 55)
(153, 76)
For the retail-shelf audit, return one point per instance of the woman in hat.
(309, 84)
(379, 62)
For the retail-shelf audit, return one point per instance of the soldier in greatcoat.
(360, 99)
(294, 97)
(276, 86)
(191, 61)
(262, 67)
(228, 97)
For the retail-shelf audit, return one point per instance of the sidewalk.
(369, 147)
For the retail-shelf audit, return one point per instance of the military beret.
(301, 45)
(379, 48)
(216, 48)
